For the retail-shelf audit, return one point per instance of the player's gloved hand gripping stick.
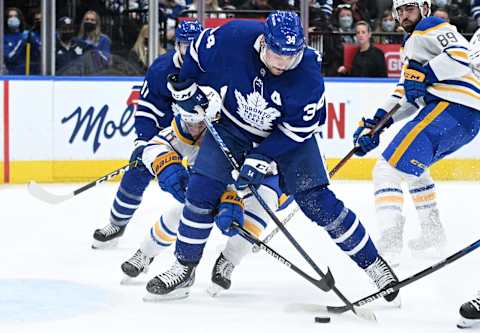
(186, 94)
(375, 131)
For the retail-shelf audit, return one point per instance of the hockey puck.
(322, 319)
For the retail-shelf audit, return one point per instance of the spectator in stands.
(343, 21)
(90, 38)
(457, 11)
(442, 13)
(14, 42)
(66, 50)
(210, 6)
(170, 10)
(362, 10)
(256, 5)
(138, 55)
(369, 60)
(387, 24)
(33, 38)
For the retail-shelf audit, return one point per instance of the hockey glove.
(253, 171)
(230, 210)
(137, 153)
(172, 176)
(362, 138)
(187, 94)
(417, 78)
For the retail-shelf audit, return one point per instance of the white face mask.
(13, 22)
(388, 25)
(345, 22)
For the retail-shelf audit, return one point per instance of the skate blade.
(214, 290)
(467, 323)
(174, 295)
(97, 245)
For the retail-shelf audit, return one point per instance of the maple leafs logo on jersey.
(254, 110)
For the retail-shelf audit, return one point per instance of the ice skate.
(221, 276)
(107, 237)
(470, 313)
(172, 284)
(390, 243)
(432, 241)
(137, 264)
(383, 276)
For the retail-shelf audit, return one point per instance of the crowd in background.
(110, 37)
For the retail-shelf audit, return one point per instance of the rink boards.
(77, 129)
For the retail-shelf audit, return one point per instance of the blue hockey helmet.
(187, 31)
(284, 33)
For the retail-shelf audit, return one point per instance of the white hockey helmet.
(212, 112)
(419, 3)
(474, 52)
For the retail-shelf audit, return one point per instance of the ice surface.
(52, 281)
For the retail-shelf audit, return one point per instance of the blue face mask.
(13, 22)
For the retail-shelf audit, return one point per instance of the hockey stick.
(406, 281)
(261, 245)
(374, 130)
(275, 231)
(335, 169)
(325, 280)
(42, 194)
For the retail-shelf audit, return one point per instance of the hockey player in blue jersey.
(273, 95)
(439, 86)
(154, 112)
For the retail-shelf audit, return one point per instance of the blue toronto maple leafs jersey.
(280, 112)
(154, 110)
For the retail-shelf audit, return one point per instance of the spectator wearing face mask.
(14, 42)
(90, 38)
(344, 22)
(387, 24)
(369, 60)
(66, 49)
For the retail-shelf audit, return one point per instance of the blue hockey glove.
(362, 138)
(172, 176)
(187, 95)
(137, 153)
(417, 78)
(230, 210)
(252, 172)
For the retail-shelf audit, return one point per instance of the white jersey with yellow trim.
(173, 138)
(438, 43)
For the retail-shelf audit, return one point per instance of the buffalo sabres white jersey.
(174, 138)
(439, 44)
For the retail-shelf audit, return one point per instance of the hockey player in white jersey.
(162, 156)
(438, 86)
(470, 311)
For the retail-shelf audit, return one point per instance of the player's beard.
(409, 26)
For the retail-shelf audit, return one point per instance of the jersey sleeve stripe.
(149, 106)
(139, 113)
(292, 135)
(195, 46)
(300, 129)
